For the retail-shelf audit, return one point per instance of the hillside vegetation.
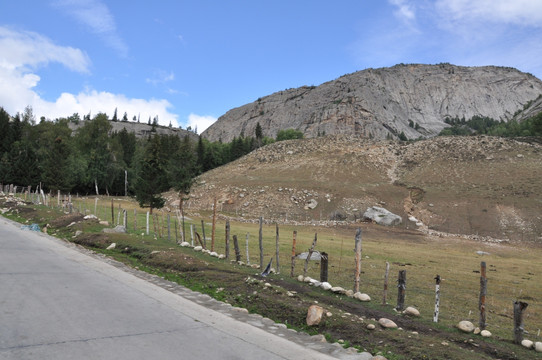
(478, 186)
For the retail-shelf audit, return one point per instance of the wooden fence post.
(519, 308)
(358, 260)
(147, 231)
(112, 214)
(311, 250)
(176, 231)
(237, 251)
(125, 219)
(192, 234)
(401, 286)
(168, 227)
(385, 294)
(214, 226)
(260, 241)
(323, 267)
(248, 259)
(227, 239)
(95, 205)
(203, 233)
(437, 299)
(293, 254)
(483, 293)
(277, 247)
(135, 219)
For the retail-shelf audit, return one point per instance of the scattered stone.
(314, 315)
(214, 254)
(382, 216)
(290, 294)
(311, 204)
(444, 343)
(198, 248)
(300, 278)
(221, 256)
(78, 232)
(104, 222)
(482, 253)
(307, 279)
(112, 246)
(476, 331)
(387, 323)
(326, 286)
(538, 346)
(378, 357)
(362, 297)
(371, 326)
(88, 217)
(338, 290)
(329, 314)
(314, 256)
(485, 333)
(411, 311)
(349, 293)
(465, 326)
(72, 224)
(116, 230)
(527, 343)
(185, 244)
(315, 283)
(267, 285)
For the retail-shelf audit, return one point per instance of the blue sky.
(188, 62)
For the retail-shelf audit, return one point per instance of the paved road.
(61, 302)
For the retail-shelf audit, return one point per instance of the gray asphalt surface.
(61, 302)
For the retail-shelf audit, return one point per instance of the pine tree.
(151, 177)
(115, 116)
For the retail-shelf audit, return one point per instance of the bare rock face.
(412, 99)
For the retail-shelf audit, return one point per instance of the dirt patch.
(66, 220)
(97, 240)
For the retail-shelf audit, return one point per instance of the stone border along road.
(251, 328)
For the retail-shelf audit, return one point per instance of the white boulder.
(382, 216)
(465, 326)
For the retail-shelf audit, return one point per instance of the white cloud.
(21, 53)
(20, 50)
(405, 10)
(96, 17)
(161, 77)
(199, 122)
(518, 12)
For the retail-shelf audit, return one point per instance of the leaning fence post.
(401, 286)
(437, 299)
(311, 250)
(203, 233)
(248, 259)
(323, 267)
(483, 293)
(168, 227)
(260, 241)
(385, 293)
(236, 247)
(519, 308)
(358, 259)
(277, 247)
(227, 239)
(293, 254)
(214, 226)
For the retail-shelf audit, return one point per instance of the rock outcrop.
(412, 99)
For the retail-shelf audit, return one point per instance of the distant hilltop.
(141, 129)
(414, 100)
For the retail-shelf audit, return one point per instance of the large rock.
(527, 343)
(382, 216)
(538, 346)
(465, 326)
(411, 311)
(362, 297)
(117, 229)
(387, 323)
(314, 315)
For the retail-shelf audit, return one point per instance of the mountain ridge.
(413, 99)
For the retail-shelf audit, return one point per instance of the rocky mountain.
(374, 103)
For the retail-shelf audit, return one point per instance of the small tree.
(151, 177)
(289, 134)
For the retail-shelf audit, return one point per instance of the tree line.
(97, 160)
(481, 125)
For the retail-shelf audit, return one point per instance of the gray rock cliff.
(374, 103)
